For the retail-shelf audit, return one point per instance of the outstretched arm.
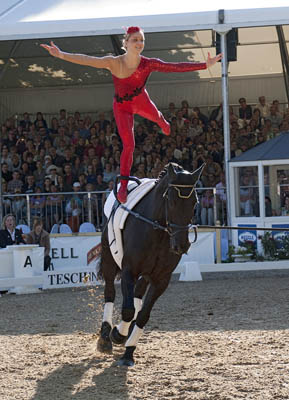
(162, 66)
(82, 59)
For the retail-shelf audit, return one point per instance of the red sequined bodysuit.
(132, 98)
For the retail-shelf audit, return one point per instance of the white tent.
(174, 32)
(26, 21)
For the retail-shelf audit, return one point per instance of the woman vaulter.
(130, 72)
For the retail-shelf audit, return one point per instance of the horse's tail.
(104, 268)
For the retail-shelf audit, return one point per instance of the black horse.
(154, 238)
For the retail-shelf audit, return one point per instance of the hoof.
(127, 359)
(116, 337)
(104, 343)
(104, 346)
(123, 362)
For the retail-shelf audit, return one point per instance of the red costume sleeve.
(161, 66)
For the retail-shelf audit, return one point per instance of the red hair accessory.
(132, 29)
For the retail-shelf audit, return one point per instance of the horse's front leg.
(104, 342)
(154, 292)
(119, 333)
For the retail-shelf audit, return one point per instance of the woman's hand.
(212, 60)
(53, 50)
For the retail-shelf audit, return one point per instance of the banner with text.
(74, 252)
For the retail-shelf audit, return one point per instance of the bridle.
(171, 228)
(174, 229)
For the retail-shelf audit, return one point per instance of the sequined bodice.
(127, 88)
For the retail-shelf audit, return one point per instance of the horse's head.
(180, 200)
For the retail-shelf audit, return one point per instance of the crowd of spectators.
(73, 153)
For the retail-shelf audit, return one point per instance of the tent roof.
(24, 19)
(95, 28)
(274, 149)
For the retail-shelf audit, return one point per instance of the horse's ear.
(171, 171)
(198, 172)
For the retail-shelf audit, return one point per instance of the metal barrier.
(72, 208)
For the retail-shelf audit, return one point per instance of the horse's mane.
(163, 173)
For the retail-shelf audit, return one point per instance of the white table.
(21, 268)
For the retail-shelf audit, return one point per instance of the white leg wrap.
(107, 313)
(123, 328)
(137, 305)
(134, 337)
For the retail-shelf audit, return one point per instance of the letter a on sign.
(28, 262)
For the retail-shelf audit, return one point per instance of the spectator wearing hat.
(51, 172)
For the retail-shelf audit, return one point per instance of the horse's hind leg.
(104, 342)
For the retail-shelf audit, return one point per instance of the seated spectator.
(15, 183)
(39, 174)
(69, 178)
(285, 208)
(62, 120)
(52, 174)
(211, 167)
(263, 107)
(9, 234)
(246, 196)
(29, 186)
(90, 176)
(56, 159)
(39, 236)
(82, 181)
(73, 208)
(108, 174)
(6, 174)
(40, 118)
(46, 185)
(16, 162)
(54, 205)
(207, 208)
(25, 123)
(217, 113)
(6, 157)
(274, 117)
(54, 125)
(268, 207)
(37, 203)
(102, 121)
(245, 112)
(277, 106)
(172, 112)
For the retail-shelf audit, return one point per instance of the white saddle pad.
(117, 222)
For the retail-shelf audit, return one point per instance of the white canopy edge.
(151, 23)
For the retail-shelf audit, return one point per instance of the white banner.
(70, 278)
(73, 252)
